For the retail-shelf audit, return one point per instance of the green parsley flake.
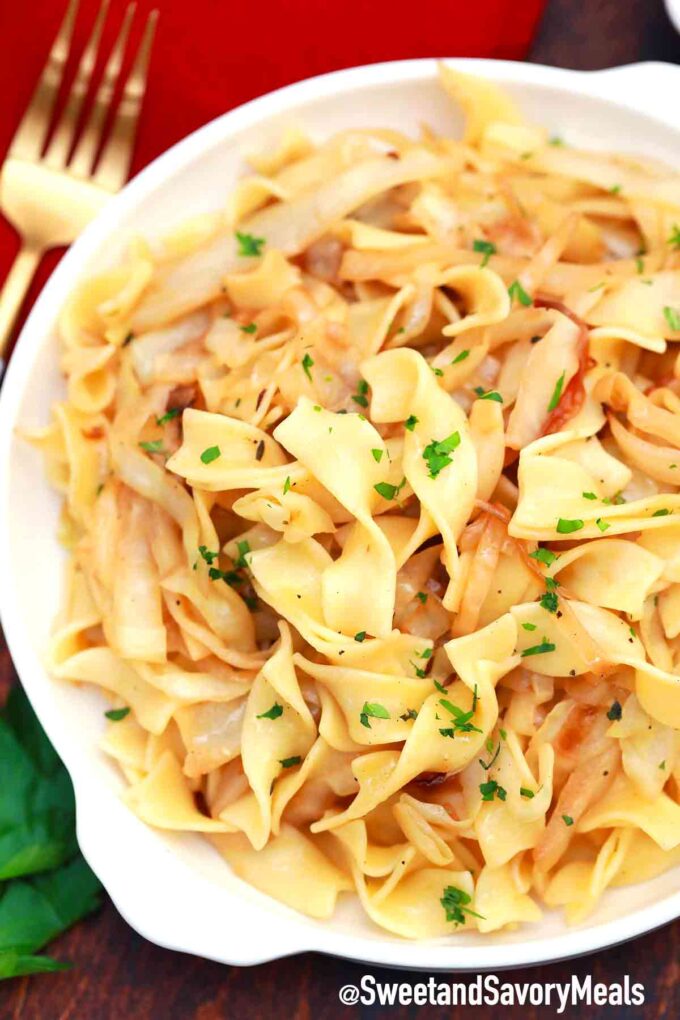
(567, 819)
(421, 596)
(461, 719)
(602, 524)
(555, 140)
(557, 393)
(639, 265)
(544, 556)
(377, 455)
(491, 789)
(517, 291)
(272, 713)
(286, 485)
(615, 189)
(116, 714)
(210, 454)
(249, 246)
(411, 422)
(372, 710)
(672, 317)
(545, 646)
(487, 248)
(250, 328)
(454, 901)
(207, 555)
(437, 371)
(360, 636)
(169, 415)
(525, 792)
(388, 491)
(156, 446)
(488, 394)
(589, 495)
(360, 397)
(529, 626)
(460, 357)
(549, 602)
(566, 526)
(436, 453)
(243, 550)
(674, 239)
(663, 512)
(288, 763)
(307, 364)
(614, 713)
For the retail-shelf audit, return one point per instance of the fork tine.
(64, 133)
(86, 149)
(114, 164)
(32, 131)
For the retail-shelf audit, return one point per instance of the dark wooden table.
(119, 976)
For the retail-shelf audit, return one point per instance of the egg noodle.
(371, 485)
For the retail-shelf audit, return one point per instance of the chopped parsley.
(360, 636)
(461, 719)
(567, 819)
(525, 792)
(207, 555)
(614, 713)
(437, 371)
(544, 556)
(545, 646)
(287, 763)
(663, 512)
(488, 248)
(529, 626)
(436, 453)
(566, 526)
(516, 290)
(549, 601)
(377, 455)
(455, 903)
(589, 495)
(421, 596)
(674, 238)
(557, 393)
(489, 746)
(672, 317)
(491, 789)
(615, 189)
(360, 397)
(210, 454)
(372, 710)
(249, 246)
(388, 491)
(286, 485)
(602, 524)
(243, 550)
(409, 714)
(250, 328)
(639, 265)
(169, 415)
(307, 363)
(229, 577)
(460, 357)
(488, 394)
(116, 714)
(155, 446)
(555, 140)
(272, 713)
(411, 422)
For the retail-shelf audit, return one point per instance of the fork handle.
(13, 293)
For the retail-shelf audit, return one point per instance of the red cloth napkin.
(212, 55)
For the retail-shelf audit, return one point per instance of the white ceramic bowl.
(174, 889)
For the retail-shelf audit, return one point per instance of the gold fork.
(48, 196)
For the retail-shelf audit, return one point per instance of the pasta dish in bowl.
(369, 491)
